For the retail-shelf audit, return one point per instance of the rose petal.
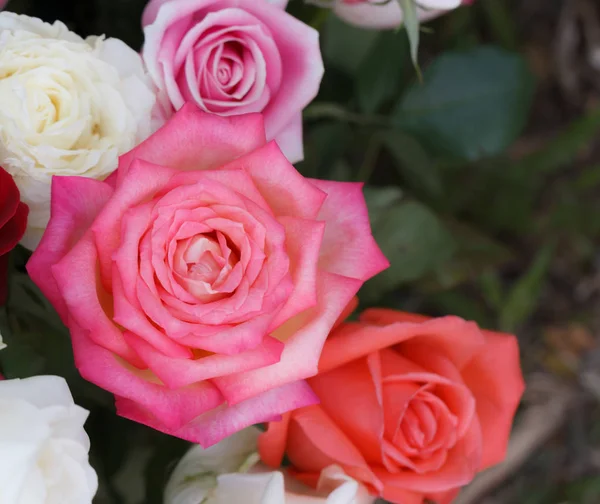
(495, 379)
(271, 444)
(348, 229)
(9, 196)
(345, 391)
(210, 428)
(170, 408)
(303, 243)
(194, 140)
(142, 181)
(176, 373)
(315, 442)
(13, 229)
(76, 201)
(290, 140)
(458, 339)
(462, 464)
(88, 305)
(304, 336)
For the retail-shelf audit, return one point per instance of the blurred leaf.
(325, 144)
(564, 149)
(413, 162)
(19, 358)
(475, 253)
(589, 179)
(379, 200)
(379, 76)
(340, 171)
(491, 288)
(413, 239)
(38, 343)
(472, 103)
(501, 22)
(461, 305)
(494, 193)
(345, 46)
(411, 23)
(524, 296)
(584, 491)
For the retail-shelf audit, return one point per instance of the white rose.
(2, 344)
(230, 473)
(68, 106)
(375, 14)
(43, 447)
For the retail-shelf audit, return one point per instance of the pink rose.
(375, 14)
(233, 57)
(199, 282)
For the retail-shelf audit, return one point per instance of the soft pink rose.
(375, 14)
(199, 282)
(233, 57)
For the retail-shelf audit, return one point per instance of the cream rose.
(68, 106)
(229, 473)
(43, 446)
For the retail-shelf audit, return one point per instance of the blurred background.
(483, 183)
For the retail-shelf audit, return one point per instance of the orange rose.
(412, 407)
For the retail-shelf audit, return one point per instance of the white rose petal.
(229, 473)
(373, 14)
(68, 106)
(43, 446)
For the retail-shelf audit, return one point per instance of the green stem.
(333, 111)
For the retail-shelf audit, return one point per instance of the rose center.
(224, 72)
(419, 424)
(203, 262)
(426, 427)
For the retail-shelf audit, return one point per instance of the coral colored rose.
(379, 15)
(411, 407)
(201, 280)
(13, 221)
(233, 57)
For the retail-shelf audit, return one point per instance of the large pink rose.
(233, 57)
(199, 282)
(380, 15)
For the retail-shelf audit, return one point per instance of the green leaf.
(524, 296)
(472, 103)
(413, 162)
(476, 253)
(379, 200)
(380, 74)
(491, 288)
(413, 239)
(500, 19)
(345, 46)
(326, 143)
(411, 23)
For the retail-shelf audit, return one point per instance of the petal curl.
(349, 248)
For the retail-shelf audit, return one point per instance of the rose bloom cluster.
(207, 284)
